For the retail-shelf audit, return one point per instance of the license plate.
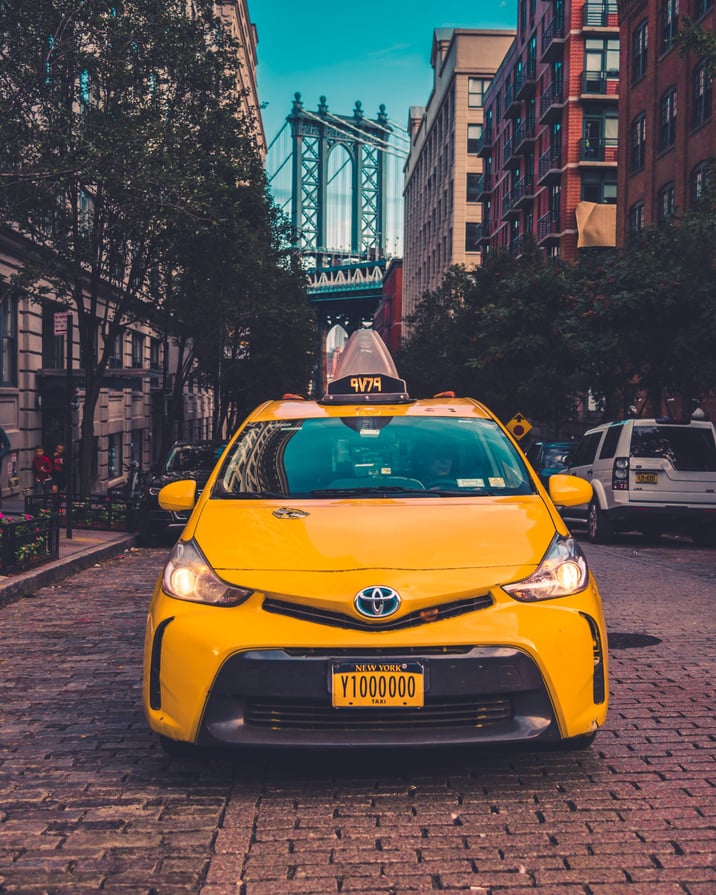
(377, 684)
(646, 478)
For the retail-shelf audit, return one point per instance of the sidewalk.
(85, 548)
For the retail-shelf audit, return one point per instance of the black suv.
(185, 460)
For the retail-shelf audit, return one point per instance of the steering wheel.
(441, 484)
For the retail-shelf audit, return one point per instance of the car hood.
(247, 541)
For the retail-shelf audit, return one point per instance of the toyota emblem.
(377, 601)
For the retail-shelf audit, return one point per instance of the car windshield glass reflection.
(372, 457)
(685, 449)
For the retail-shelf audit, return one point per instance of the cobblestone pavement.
(88, 802)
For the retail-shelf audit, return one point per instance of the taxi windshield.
(371, 456)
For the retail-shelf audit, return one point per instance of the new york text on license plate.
(377, 684)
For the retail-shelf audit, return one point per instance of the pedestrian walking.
(58, 470)
(5, 449)
(41, 471)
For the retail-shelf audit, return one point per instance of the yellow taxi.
(372, 570)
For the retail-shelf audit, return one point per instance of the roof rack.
(366, 373)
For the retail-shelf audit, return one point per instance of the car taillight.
(620, 474)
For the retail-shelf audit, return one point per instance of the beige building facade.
(442, 211)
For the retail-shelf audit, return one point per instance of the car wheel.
(704, 538)
(146, 537)
(599, 528)
(177, 748)
(574, 744)
(651, 535)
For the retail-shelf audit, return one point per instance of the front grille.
(413, 619)
(314, 716)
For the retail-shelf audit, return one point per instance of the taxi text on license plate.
(377, 684)
(646, 478)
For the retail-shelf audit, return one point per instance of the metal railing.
(29, 541)
(98, 511)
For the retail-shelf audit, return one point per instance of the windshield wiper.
(247, 495)
(388, 489)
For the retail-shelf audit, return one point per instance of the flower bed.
(99, 511)
(28, 540)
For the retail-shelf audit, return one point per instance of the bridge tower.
(315, 135)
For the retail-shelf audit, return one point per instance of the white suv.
(651, 476)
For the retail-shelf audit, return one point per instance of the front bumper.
(510, 672)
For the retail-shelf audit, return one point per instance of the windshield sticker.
(496, 482)
(470, 483)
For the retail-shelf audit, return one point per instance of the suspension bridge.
(338, 178)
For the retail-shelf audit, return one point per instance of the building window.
(155, 354)
(637, 144)
(473, 187)
(472, 237)
(703, 95)
(114, 455)
(665, 203)
(698, 182)
(116, 361)
(476, 88)
(636, 218)
(602, 192)
(474, 135)
(137, 351)
(701, 7)
(667, 119)
(8, 340)
(53, 347)
(669, 23)
(639, 44)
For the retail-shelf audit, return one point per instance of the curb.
(25, 584)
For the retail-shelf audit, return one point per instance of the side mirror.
(178, 496)
(569, 490)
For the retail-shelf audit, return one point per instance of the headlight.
(562, 572)
(188, 576)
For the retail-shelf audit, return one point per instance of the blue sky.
(375, 52)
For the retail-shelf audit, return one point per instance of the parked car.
(184, 460)
(549, 457)
(649, 475)
(372, 570)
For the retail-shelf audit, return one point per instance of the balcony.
(600, 83)
(548, 226)
(600, 14)
(524, 136)
(526, 80)
(484, 185)
(484, 145)
(553, 39)
(550, 165)
(485, 230)
(524, 191)
(600, 151)
(508, 205)
(551, 102)
(507, 152)
(512, 103)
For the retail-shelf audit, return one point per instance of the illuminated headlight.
(562, 572)
(188, 576)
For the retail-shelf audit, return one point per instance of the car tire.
(146, 537)
(599, 528)
(177, 748)
(704, 538)
(574, 744)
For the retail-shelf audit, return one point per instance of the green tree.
(123, 157)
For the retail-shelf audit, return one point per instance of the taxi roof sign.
(366, 373)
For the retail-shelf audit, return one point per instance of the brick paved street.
(88, 802)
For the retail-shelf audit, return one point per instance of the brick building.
(442, 212)
(666, 113)
(550, 139)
